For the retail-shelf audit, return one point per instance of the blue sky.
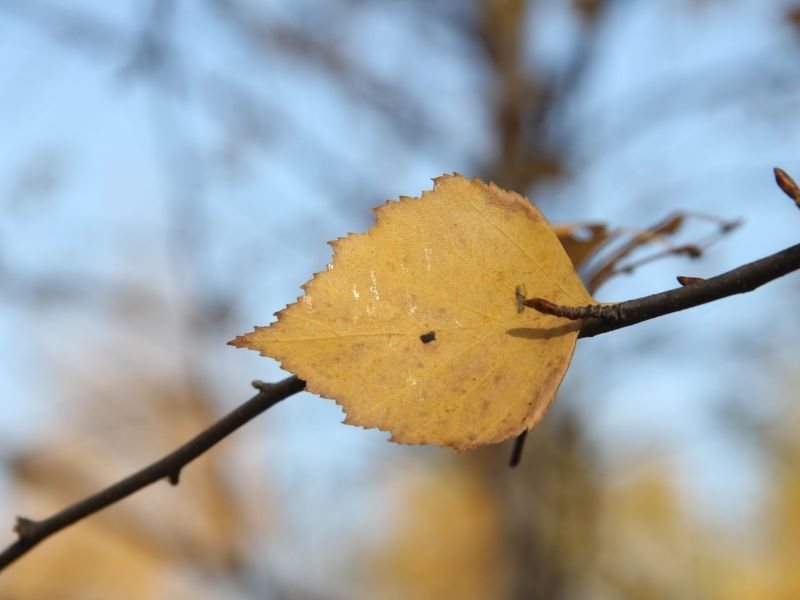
(657, 141)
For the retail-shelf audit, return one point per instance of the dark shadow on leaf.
(542, 333)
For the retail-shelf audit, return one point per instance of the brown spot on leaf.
(427, 338)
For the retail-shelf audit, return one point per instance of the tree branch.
(31, 532)
(601, 319)
(605, 318)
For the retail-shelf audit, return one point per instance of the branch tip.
(787, 185)
(516, 452)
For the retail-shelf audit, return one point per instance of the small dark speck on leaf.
(427, 338)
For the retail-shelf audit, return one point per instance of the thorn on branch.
(685, 280)
(788, 185)
(174, 478)
(261, 386)
(24, 528)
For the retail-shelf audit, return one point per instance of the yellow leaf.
(416, 328)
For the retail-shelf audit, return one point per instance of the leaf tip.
(240, 341)
(246, 339)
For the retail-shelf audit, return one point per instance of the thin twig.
(657, 232)
(602, 318)
(31, 532)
